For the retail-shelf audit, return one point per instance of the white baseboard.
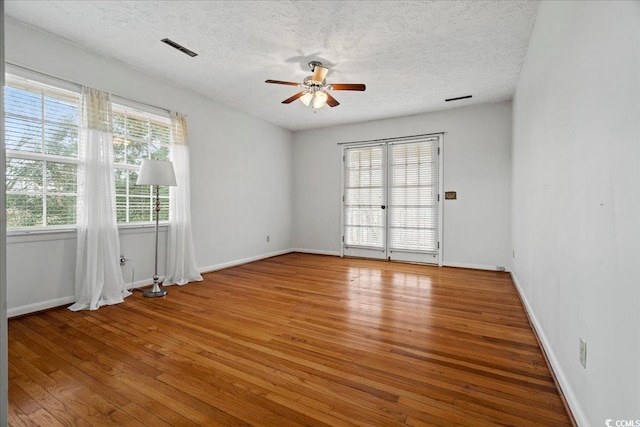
(561, 378)
(58, 302)
(140, 283)
(474, 266)
(234, 263)
(39, 306)
(215, 267)
(316, 252)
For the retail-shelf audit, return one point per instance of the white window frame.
(40, 81)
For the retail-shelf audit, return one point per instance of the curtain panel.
(98, 277)
(181, 261)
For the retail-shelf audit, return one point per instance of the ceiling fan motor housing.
(309, 82)
(319, 72)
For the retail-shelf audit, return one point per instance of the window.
(138, 135)
(41, 138)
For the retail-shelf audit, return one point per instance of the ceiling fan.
(315, 88)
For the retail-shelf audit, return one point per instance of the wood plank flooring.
(289, 341)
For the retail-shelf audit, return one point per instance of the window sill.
(64, 233)
(125, 229)
(40, 234)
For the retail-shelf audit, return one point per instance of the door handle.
(383, 207)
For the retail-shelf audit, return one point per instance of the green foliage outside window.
(42, 183)
(138, 136)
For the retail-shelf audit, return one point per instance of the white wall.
(240, 177)
(4, 376)
(477, 164)
(576, 188)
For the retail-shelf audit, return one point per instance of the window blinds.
(138, 135)
(41, 138)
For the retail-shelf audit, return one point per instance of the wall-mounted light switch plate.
(583, 353)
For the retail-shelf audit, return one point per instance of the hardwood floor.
(293, 340)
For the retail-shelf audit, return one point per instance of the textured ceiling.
(411, 55)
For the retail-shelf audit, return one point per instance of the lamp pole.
(157, 290)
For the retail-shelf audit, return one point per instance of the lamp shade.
(156, 172)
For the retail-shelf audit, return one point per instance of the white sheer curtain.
(181, 261)
(98, 277)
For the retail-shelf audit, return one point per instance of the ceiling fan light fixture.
(306, 98)
(320, 99)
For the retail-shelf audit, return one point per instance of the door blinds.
(364, 194)
(413, 196)
(391, 198)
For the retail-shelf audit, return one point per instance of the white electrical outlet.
(583, 353)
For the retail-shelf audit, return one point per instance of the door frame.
(385, 141)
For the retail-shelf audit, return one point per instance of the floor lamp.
(156, 172)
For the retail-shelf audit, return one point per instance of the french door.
(391, 200)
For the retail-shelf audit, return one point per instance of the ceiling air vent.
(180, 48)
(458, 98)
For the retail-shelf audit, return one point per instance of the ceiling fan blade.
(331, 101)
(348, 86)
(280, 82)
(293, 98)
(319, 73)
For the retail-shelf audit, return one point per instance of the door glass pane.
(413, 190)
(364, 218)
(364, 236)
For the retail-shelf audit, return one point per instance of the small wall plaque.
(450, 195)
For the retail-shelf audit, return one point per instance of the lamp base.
(156, 291)
(150, 293)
